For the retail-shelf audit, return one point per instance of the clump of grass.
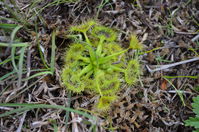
(17, 59)
(99, 64)
(25, 106)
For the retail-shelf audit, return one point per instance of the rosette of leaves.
(98, 64)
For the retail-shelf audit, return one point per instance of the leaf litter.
(169, 33)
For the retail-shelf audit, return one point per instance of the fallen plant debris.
(35, 38)
(163, 67)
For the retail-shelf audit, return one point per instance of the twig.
(21, 122)
(163, 67)
(115, 11)
(195, 38)
(5, 108)
(174, 91)
(23, 117)
(139, 5)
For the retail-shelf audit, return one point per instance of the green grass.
(53, 48)
(54, 123)
(196, 88)
(17, 59)
(193, 77)
(32, 12)
(100, 6)
(69, 105)
(179, 92)
(7, 26)
(160, 59)
(27, 107)
(14, 45)
(8, 60)
(38, 10)
(16, 13)
(19, 73)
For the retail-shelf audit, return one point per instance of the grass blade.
(14, 44)
(36, 106)
(7, 75)
(13, 59)
(14, 111)
(179, 92)
(7, 26)
(193, 77)
(52, 63)
(14, 32)
(37, 74)
(67, 112)
(8, 60)
(21, 58)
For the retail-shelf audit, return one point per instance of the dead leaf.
(163, 85)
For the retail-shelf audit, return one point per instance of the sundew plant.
(98, 64)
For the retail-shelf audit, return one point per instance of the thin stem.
(86, 37)
(21, 58)
(53, 48)
(25, 107)
(13, 59)
(13, 44)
